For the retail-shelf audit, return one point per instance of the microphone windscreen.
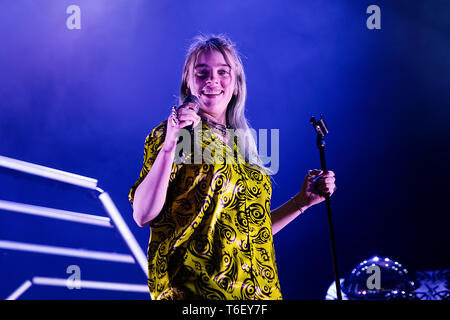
(190, 98)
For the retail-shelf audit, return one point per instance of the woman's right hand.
(186, 116)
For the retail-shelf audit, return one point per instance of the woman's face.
(213, 81)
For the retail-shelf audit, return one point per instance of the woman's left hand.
(314, 189)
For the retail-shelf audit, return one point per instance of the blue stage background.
(84, 100)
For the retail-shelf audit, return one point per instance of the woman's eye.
(222, 72)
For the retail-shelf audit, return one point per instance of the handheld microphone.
(190, 98)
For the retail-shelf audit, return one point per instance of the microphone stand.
(321, 129)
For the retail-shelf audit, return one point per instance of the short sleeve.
(152, 146)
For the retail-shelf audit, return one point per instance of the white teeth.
(212, 93)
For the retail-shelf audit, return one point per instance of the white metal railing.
(56, 213)
(115, 219)
(68, 252)
(82, 284)
(49, 173)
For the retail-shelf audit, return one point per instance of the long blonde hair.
(236, 107)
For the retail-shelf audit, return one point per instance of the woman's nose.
(213, 79)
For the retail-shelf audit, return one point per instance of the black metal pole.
(321, 146)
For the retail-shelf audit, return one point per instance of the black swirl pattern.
(257, 214)
(263, 236)
(226, 278)
(248, 289)
(225, 231)
(200, 248)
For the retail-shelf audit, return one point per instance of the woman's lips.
(212, 93)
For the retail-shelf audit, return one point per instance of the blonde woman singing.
(211, 223)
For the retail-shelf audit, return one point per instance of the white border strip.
(48, 173)
(56, 213)
(69, 252)
(84, 284)
(19, 291)
(124, 231)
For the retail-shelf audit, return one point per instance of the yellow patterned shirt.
(213, 237)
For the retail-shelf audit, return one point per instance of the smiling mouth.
(212, 94)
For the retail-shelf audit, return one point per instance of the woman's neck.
(219, 119)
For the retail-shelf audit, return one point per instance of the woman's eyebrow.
(202, 65)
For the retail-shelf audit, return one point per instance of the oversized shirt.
(213, 236)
